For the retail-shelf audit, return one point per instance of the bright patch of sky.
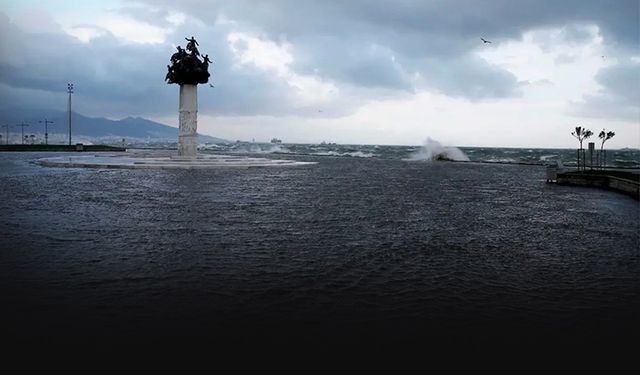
(276, 57)
(544, 58)
(86, 20)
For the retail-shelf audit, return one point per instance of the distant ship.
(276, 140)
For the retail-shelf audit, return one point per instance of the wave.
(355, 154)
(502, 160)
(547, 157)
(211, 146)
(432, 150)
(259, 149)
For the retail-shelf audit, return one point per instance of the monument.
(188, 68)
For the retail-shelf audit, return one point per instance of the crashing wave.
(432, 150)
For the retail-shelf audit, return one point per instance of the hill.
(92, 129)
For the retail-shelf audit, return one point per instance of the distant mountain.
(133, 129)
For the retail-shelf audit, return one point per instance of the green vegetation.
(602, 157)
(581, 134)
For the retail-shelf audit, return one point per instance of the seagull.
(486, 41)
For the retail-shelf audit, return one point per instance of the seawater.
(617, 158)
(352, 250)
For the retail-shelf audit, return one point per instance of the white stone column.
(187, 138)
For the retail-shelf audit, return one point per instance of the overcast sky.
(345, 71)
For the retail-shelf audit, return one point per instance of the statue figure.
(191, 46)
(192, 42)
(169, 76)
(188, 68)
(193, 49)
(178, 55)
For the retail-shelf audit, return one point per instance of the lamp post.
(7, 126)
(46, 134)
(70, 91)
(23, 125)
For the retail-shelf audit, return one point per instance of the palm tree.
(581, 134)
(605, 136)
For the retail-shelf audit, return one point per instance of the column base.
(187, 146)
(184, 158)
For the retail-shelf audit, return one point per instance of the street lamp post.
(70, 91)
(7, 126)
(23, 125)
(46, 134)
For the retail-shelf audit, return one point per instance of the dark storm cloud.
(426, 37)
(117, 79)
(472, 18)
(475, 79)
(622, 80)
(363, 46)
(104, 70)
(619, 97)
(357, 62)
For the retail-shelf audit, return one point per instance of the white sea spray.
(432, 150)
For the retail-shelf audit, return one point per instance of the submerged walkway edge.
(624, 182)
(165, 162)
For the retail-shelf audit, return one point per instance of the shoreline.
(60, 148)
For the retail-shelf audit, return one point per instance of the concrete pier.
(621, 181)
(188, 122)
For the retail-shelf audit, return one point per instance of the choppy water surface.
(625, 158)
(350, 249)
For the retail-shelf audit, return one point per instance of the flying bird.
(210, 85)
(486, 41)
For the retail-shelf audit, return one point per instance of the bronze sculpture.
(191, 46)
(186, 67)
